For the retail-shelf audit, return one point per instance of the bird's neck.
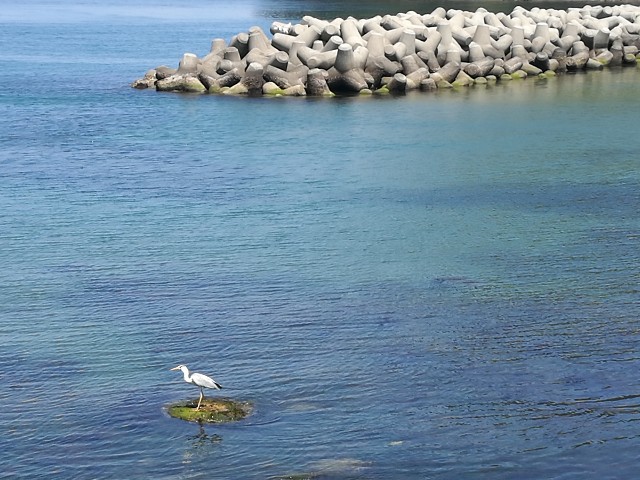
(187, 378)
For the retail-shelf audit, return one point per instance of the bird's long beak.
(175, 368)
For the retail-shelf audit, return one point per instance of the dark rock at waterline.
(317, 83)
(351, 81)
(253, 79)
(163, 72)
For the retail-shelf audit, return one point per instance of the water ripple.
(395, 302)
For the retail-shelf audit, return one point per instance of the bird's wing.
(204, 381)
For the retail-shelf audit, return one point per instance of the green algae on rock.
(212, 410)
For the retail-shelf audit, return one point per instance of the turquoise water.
(434, 286)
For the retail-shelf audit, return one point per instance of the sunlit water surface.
(435, 286)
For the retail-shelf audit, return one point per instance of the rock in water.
(407, 51)
(212, 410)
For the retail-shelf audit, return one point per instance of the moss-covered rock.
(212, 410)
(270, 88)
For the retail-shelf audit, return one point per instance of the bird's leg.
(200, 401)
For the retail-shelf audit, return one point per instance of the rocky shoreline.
(407, 51)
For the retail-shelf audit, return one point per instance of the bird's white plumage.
(199, 380)
(203, 381)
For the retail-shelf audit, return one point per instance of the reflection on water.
(202, 444)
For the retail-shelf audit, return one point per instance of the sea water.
(441, 285)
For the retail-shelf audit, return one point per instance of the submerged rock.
(329, 468)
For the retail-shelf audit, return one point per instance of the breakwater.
(407, 51)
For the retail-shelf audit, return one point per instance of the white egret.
(199, 380)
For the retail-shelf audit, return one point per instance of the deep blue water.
(435, 286)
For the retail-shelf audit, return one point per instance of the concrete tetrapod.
(427, 50)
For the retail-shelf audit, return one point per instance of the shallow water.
(434, 286)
